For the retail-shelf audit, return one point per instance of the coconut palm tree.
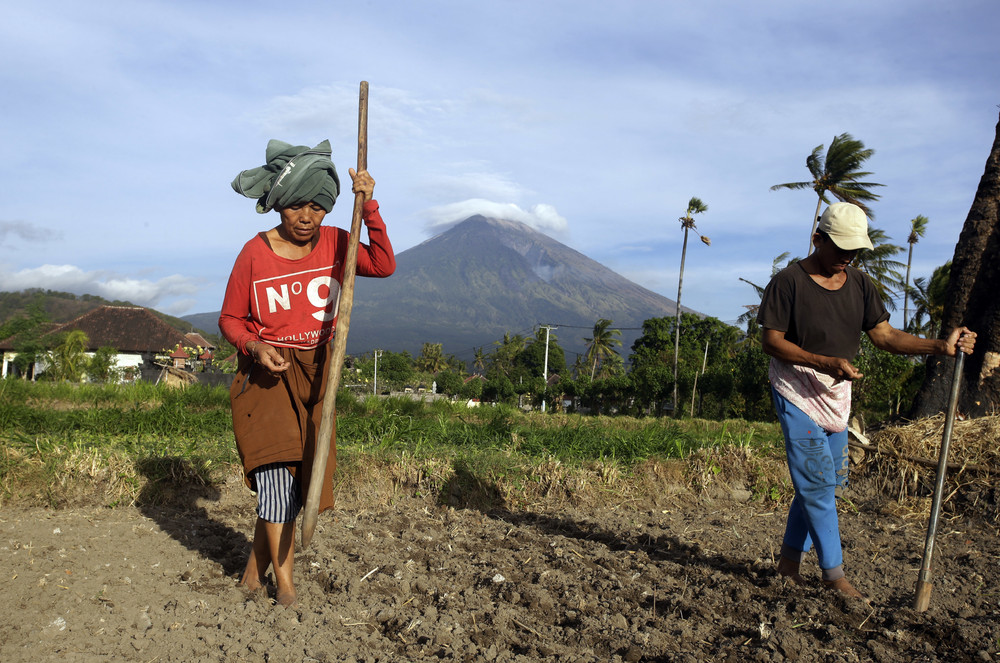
(918, 227)
(503, 357)
(431, 359)
(601, 346)
(479, 360)
(929, 300)
(838, 173)
(69, 357)
(695, 206)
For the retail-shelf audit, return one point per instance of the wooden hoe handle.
(323, 438)
(922, 597)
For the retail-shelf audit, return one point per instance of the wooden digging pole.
(922, 598)
(326, 427)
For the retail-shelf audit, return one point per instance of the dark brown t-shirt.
(826, 322)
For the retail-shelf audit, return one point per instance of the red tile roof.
(124, 328)
(197, 340)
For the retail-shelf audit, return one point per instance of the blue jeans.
(817, 463)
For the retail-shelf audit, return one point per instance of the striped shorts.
(278, 495)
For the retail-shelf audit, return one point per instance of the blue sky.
(595, 122)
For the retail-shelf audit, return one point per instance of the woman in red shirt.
(280, 312)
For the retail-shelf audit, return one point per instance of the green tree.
(929, 299)
(24, 332)
(601, 346)
(499, 389)
(431, 359)
(25, 326)
(650, 385)
(539, 358)
(101, 367)
(654, 345)
(448, 382)
(838, 173)
(69, 359)
(751, 388)
(890, 383)
(918, 228)
(502, 359)
(652, 351)
(695, 206)
(395, 369)
(472, 388)
(479, 360)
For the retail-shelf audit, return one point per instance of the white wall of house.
(122, 361)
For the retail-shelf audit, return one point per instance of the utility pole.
(545, 369)
(375, 380)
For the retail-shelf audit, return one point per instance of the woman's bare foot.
(251, 581)
(285, 597)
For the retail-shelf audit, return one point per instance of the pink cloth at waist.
(823, 398)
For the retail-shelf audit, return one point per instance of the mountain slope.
(485, 277)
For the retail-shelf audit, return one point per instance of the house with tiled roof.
(136, 333)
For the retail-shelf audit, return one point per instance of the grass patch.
(137, 443)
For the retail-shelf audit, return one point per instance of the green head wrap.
(293, 174)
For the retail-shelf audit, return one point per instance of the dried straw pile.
(904, 459)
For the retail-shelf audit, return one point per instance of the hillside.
(62, 307)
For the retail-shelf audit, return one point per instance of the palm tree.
(601, 346)
(695, 206)
(69, 357)
(479, 360)
(502, 359)
(918, 227)
(431, 359)
(838, 173)
(879, 265)
(929, 299)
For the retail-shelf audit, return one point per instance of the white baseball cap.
(847, 226)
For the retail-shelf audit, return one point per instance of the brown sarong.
(277, 419)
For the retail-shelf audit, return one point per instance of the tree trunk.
(677, 318)
(819, 204)
(972, 301)
(906, 289)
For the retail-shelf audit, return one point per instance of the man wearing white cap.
(812, 314)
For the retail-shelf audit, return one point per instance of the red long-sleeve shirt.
(293, 303)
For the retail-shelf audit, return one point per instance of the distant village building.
(180, 357)
(137, 334)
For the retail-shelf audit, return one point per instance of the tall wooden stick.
(326, 427)
(922, 598)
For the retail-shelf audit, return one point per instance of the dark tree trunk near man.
(973, 300)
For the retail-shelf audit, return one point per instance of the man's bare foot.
(844, 587)
(788, 569)
(285, 597)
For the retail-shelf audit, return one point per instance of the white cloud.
(541, 217)
(69, 278)
(473, 180)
